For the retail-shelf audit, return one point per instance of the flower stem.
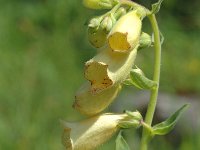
(156, 77)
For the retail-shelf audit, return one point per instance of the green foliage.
(121, 143)
(167, 125)
(156, 7)
(139, 80)
(42, 50)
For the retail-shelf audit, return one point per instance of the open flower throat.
(108, 68)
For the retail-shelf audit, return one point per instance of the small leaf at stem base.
(167, 125)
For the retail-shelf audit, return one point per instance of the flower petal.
(90, 133)
(108, 68)
(125, 34)
(91, 104)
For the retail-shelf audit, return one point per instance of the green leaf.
(140, 80)
(121, 143)
(156, 7)
(166, 126)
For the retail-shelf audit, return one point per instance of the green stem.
(156, 77)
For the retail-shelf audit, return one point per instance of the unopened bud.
(120, 12)
(97, 37)
(134, 115)
(95, 22)
(145, 40)
(107, 23)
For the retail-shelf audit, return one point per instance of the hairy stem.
(156, 77)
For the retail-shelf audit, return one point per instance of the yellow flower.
(91, 104)
(90, 133)
(108, 68)
(126, 32)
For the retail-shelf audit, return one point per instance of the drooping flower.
(108, 68)
(90, 133)
(91, 104)
(125, 34)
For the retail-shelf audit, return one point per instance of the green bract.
(100, 4)
(167, 125)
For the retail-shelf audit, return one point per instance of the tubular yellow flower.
(108, 68)
(91, 104)
(125, 34)
(89, 134)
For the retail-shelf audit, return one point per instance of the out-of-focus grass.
(43, 47)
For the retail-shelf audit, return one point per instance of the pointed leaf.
(140, 80)
(121, 143)
(166, 126)
(156, 7)
(130, 82)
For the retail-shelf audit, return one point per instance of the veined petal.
(125, 34)
(108, 68)
(90, 133)
(91, 104)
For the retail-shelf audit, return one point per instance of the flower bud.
(107, 23)
(108, 68)
(145, 40)
(91, 104)
(100, 4)
(99, 27)
(120, 12)
(97, 37)
(95, 22)
(91, 133)
(134, 115)
(125, 34)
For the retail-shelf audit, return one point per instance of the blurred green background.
(43, 47)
